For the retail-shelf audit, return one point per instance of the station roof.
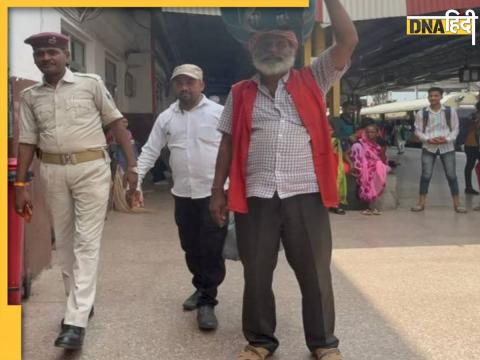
(204, 41)
(361, 10)
(380, 9)
(385, 59)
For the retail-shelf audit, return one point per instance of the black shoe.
(338, 211)
(192, 302)
(471, 192)
(71, 337)
(92, 312)
(206, 318)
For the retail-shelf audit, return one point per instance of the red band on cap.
(289, 35)
(48, 39)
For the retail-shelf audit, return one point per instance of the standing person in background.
(62, 117)
(437, 128)
(399, 131)
(369, 165)
(472, 150)
(344, 126)
(343, 168)
(477, 167)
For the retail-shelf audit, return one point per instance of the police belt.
(72, 158)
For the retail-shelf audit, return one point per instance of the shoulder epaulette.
(31, 87)
(93, 76)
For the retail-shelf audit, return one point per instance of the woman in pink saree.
(370, 167)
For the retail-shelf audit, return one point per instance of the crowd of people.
(438, 130)
(285, 165)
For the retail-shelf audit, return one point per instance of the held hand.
(132, 180)
(218, 207)
(23, 203)
(441, 140)
(138, 199)
(134, 198)
(28, 212)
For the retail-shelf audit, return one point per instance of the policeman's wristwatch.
(133, 169)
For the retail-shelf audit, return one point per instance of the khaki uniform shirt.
(69, 117)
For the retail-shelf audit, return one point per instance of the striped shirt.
(280, 155)
(437, 126)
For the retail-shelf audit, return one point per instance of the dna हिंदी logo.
(451, 24)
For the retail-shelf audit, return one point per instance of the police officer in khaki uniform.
(61, 118)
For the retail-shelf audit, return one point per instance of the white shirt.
(193, 140)
(437, 126)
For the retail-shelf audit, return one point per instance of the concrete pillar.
(336, 98)
(307, 52)
(318, 39)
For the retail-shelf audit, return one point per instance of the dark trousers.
(303, 224)
(202, 240)
(473, 155)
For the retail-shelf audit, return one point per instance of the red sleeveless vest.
(308, 100)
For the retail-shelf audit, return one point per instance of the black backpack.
(448, 116)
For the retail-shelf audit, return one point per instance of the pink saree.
(369, 168)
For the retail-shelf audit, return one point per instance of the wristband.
(21, 184)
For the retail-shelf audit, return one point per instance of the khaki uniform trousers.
(77, 197)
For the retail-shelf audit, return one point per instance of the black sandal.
(338, 211)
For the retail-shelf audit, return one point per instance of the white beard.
(273, 67)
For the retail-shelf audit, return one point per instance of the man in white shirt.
(189, 129)
(437, 128)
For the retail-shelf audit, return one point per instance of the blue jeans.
(448, 161)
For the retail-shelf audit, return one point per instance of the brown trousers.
(302, 223)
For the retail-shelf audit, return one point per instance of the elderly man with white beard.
(277, 154)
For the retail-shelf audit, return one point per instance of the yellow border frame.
(10, 316)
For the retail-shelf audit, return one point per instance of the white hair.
(269, 67)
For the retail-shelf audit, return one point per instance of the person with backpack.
(437, 128)
(472, 150)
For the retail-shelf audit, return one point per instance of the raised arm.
(346, 37)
